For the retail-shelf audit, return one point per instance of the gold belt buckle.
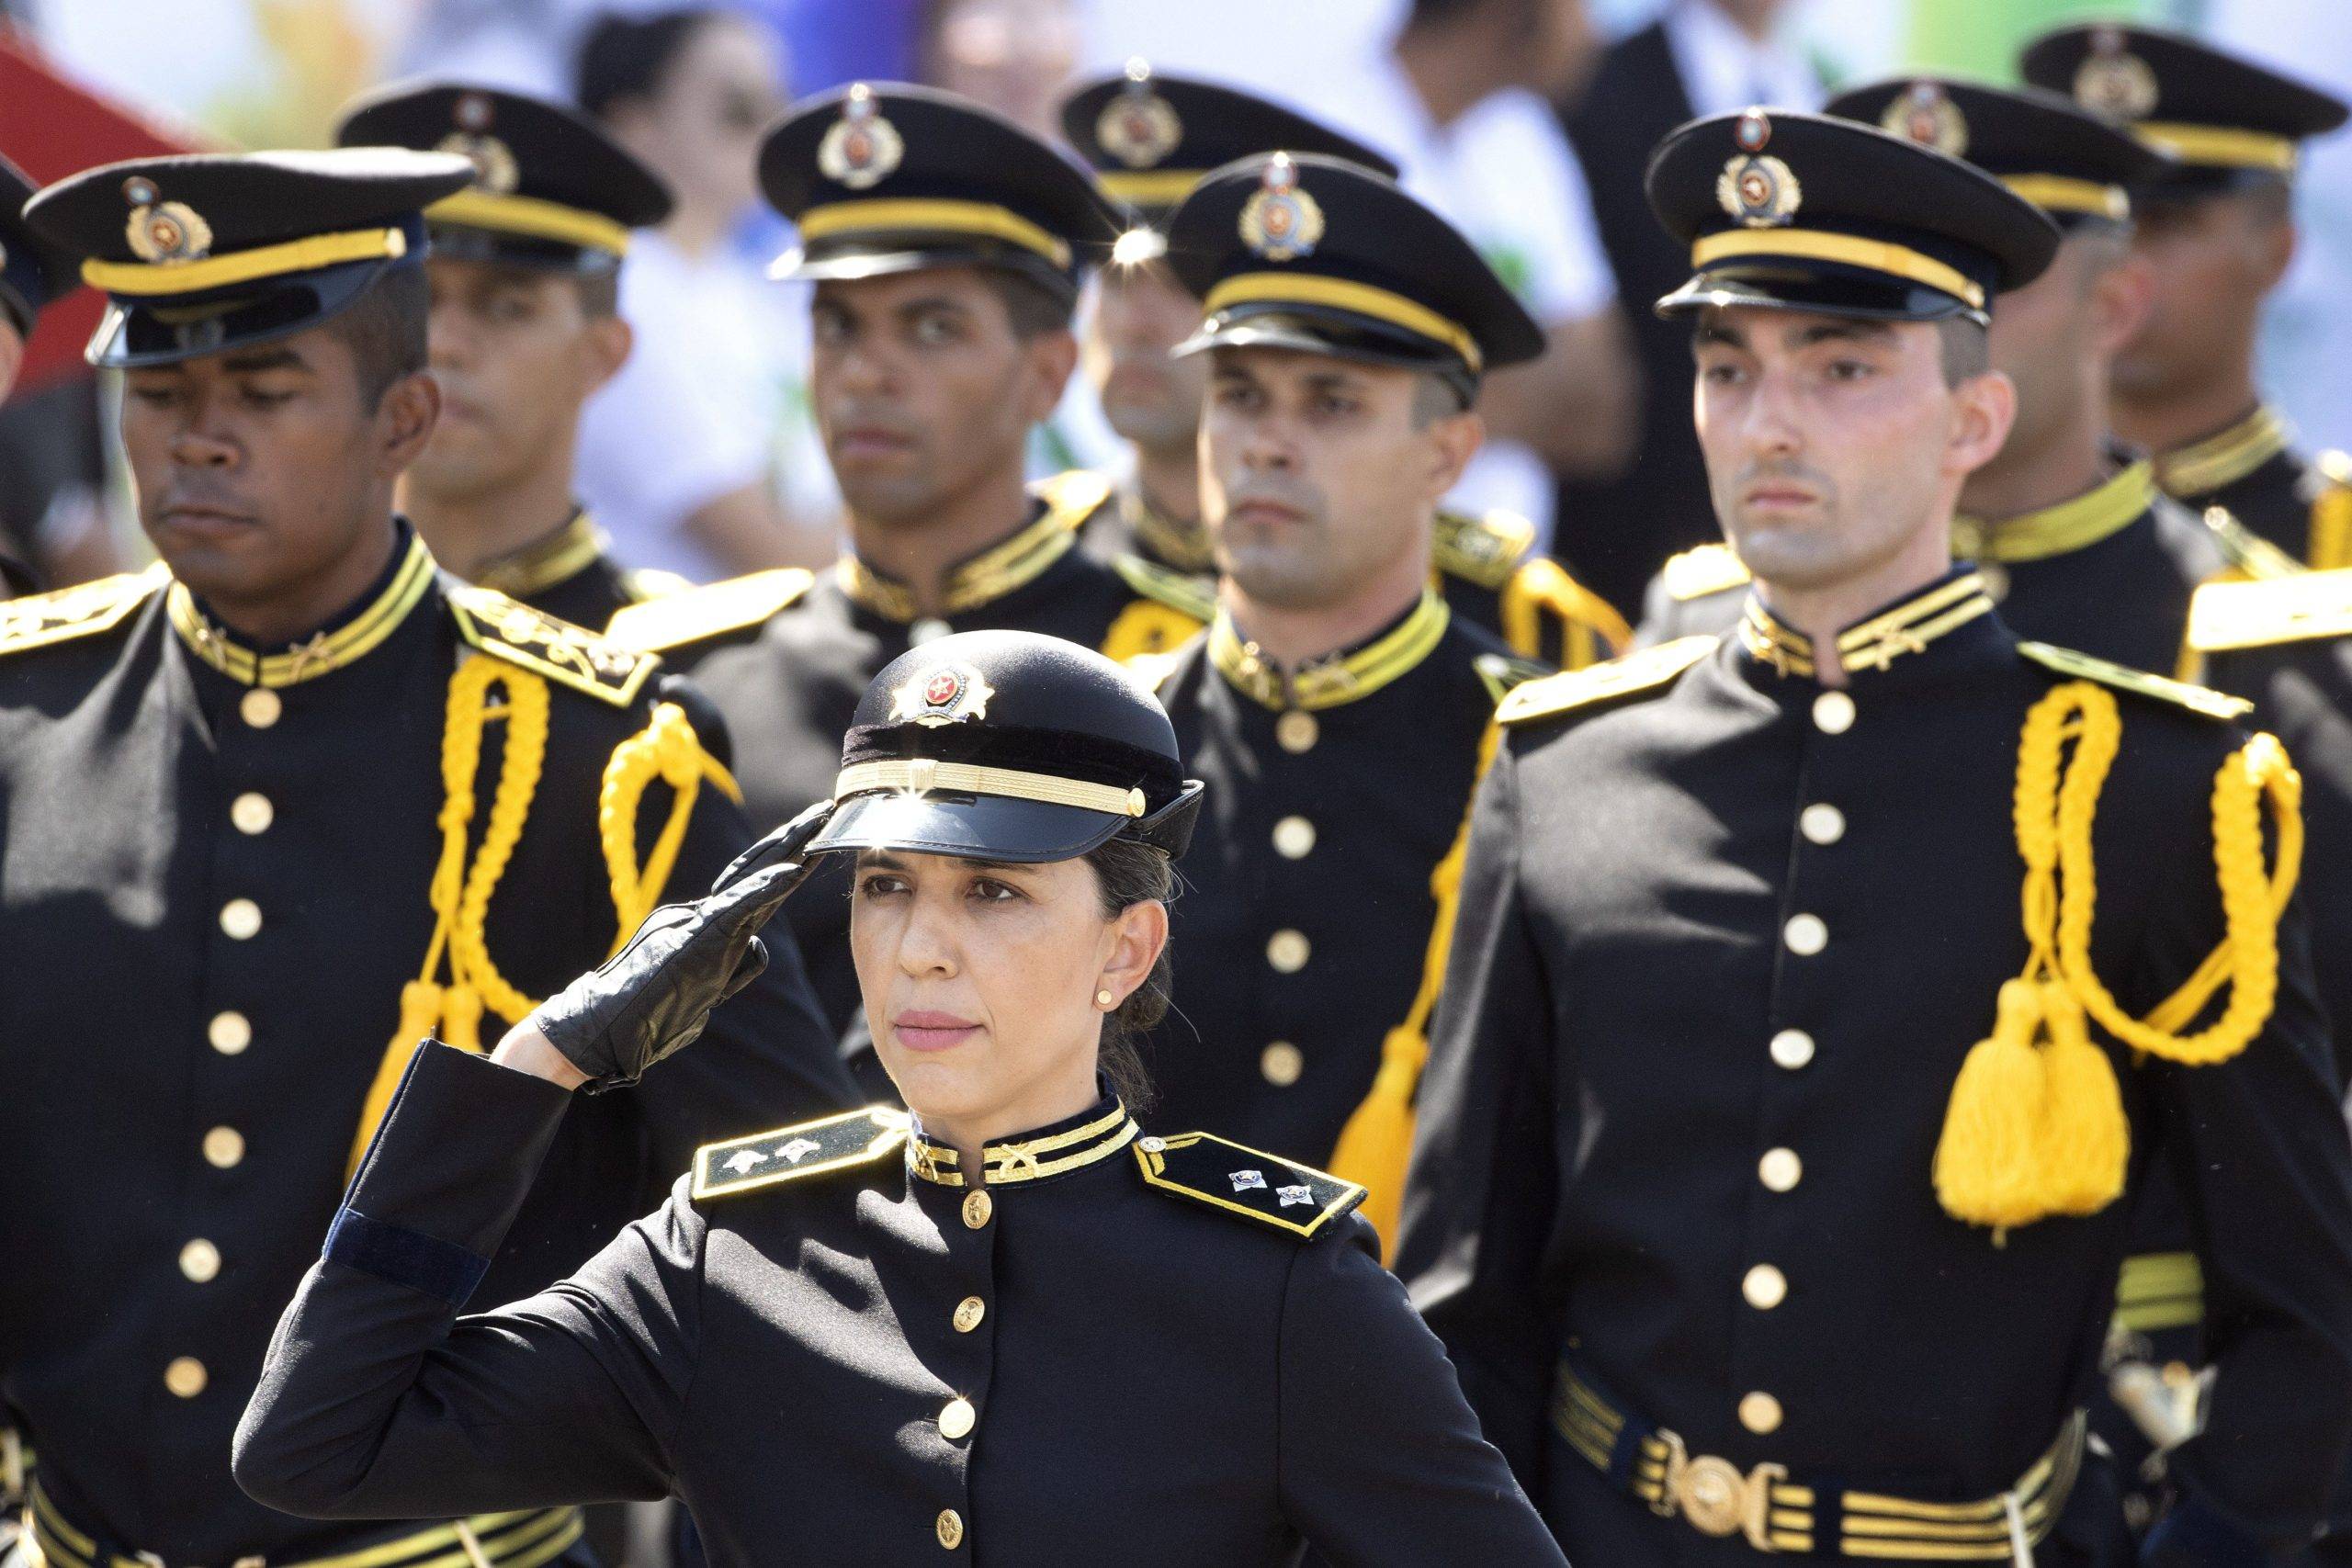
(1716, 1498)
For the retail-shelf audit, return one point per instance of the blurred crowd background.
(699, 457)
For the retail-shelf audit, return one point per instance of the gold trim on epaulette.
(1646, 669)
(1172, 588)
(84, 610)
(2160, 1290)
(1704, 569)
(2248, 553)
(1073, 495)
(1151, 1160)
(348, 643)
(2226, 615)
(859, 1137)
(2217, 460)
(1484, 549)
(538, 642)
(2180, 694)
(639, 584)
(695, 614)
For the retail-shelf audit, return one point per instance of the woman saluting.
(1008, 1328)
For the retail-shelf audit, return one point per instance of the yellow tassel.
(2087, 1139)
(1988, 1162)
(420, 1015)
(461, 1019)
(1378, 1139)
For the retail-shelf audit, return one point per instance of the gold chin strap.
(920, 775)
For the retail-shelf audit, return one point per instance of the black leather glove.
(654, 996)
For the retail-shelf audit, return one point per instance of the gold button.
(951, 1528)
(1286, 949)
(957, 1420)
(252, 813)
(1281, 1064)
(1833, 713)
(201, 1260)
(260, 707)
(1806, 934)
(186, 1377)
(978, 1207)
(1822, 823)
(223, 1147)
(1293, 836)
(930, 628)
(1792, 1048)
(1153, 1146)
(1765, 1287)
(1296, 731)
(240, 918)
(229, 1033)
(969, 1313)
(1780, 1170)
(1760, 1413)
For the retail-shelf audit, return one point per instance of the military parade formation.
(1220, 1012)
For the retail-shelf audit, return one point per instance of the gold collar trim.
(1182, 546)
(985, 578)
(2063, 529)
(558, 558)
(1026, 1159)
(1342, 678)
(2203, 467)
(328, 651)
(1874, 643)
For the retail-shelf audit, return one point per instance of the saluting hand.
(654, 996)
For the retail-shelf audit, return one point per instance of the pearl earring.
(1103, 998)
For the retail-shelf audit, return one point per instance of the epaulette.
(643, 582)
(836, 1143)
(2310, 605)
(1704, 569)
(713, 610)
(2123, 678)
(1646, 669)
(84, 610)
(1165, 585)
(1073, 495)
(1504, 674)
(563, 652)
(1261, 1186)
(1150, 670)
(1484, 549)
(2249, 554)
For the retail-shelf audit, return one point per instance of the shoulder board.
(1707, 569)
(1150, 670)
(1174, 589)
(1504, 674)
(2225, 616)
(836, 1143)
(563, 652)
(643, 582)
(1648, 670)
(1484, 549)
(1073, 495)
(673, 620)
(2123, 678)
(2247, 552)
(1245, 1182)
(84, 610)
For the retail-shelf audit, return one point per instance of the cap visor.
(168, 330)
(1864, 299)
(881, 259)
(972, 826)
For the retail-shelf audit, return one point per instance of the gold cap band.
(150, 279)
(1339, 294)
(531, 217)
(2064, 193)
(2226, 146)
(1812, 244)
(920, 775)
(1150, 187)
(932, 215)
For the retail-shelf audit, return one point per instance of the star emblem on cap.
(1760, 190)
(1281, 222)
(1925, 113)
(2113, 82)
(947, 694)
(861, 149)
(1138, 126)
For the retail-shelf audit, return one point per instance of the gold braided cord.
(2331, 534)
(1591, 628)
(667, 748)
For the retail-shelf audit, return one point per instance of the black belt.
(522, 1539)
(1783, 1513)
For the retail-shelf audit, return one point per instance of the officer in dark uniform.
(1741, 1245)
(2218, 226)
(885, 1338)
(32, 273)
(270, 813)
(947, 246)
(1151, 138)
(2072, 538)
(526, 276)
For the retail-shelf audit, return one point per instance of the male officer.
(2074, 540)
(947, 246)
(32, 273)
(1740, 1244)
(271, 812)
(2218, 228)
(1339, 707)
(1150, 139)
(526, 277)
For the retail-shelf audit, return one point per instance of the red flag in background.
(50, 127)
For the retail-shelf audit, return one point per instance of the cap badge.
(2113, 82)
(1281, 222)
(163, 231)
(494, 167)
(950, 693)
(1138, 126)
(1925, 113)
(861, 149)
(1760, 190)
